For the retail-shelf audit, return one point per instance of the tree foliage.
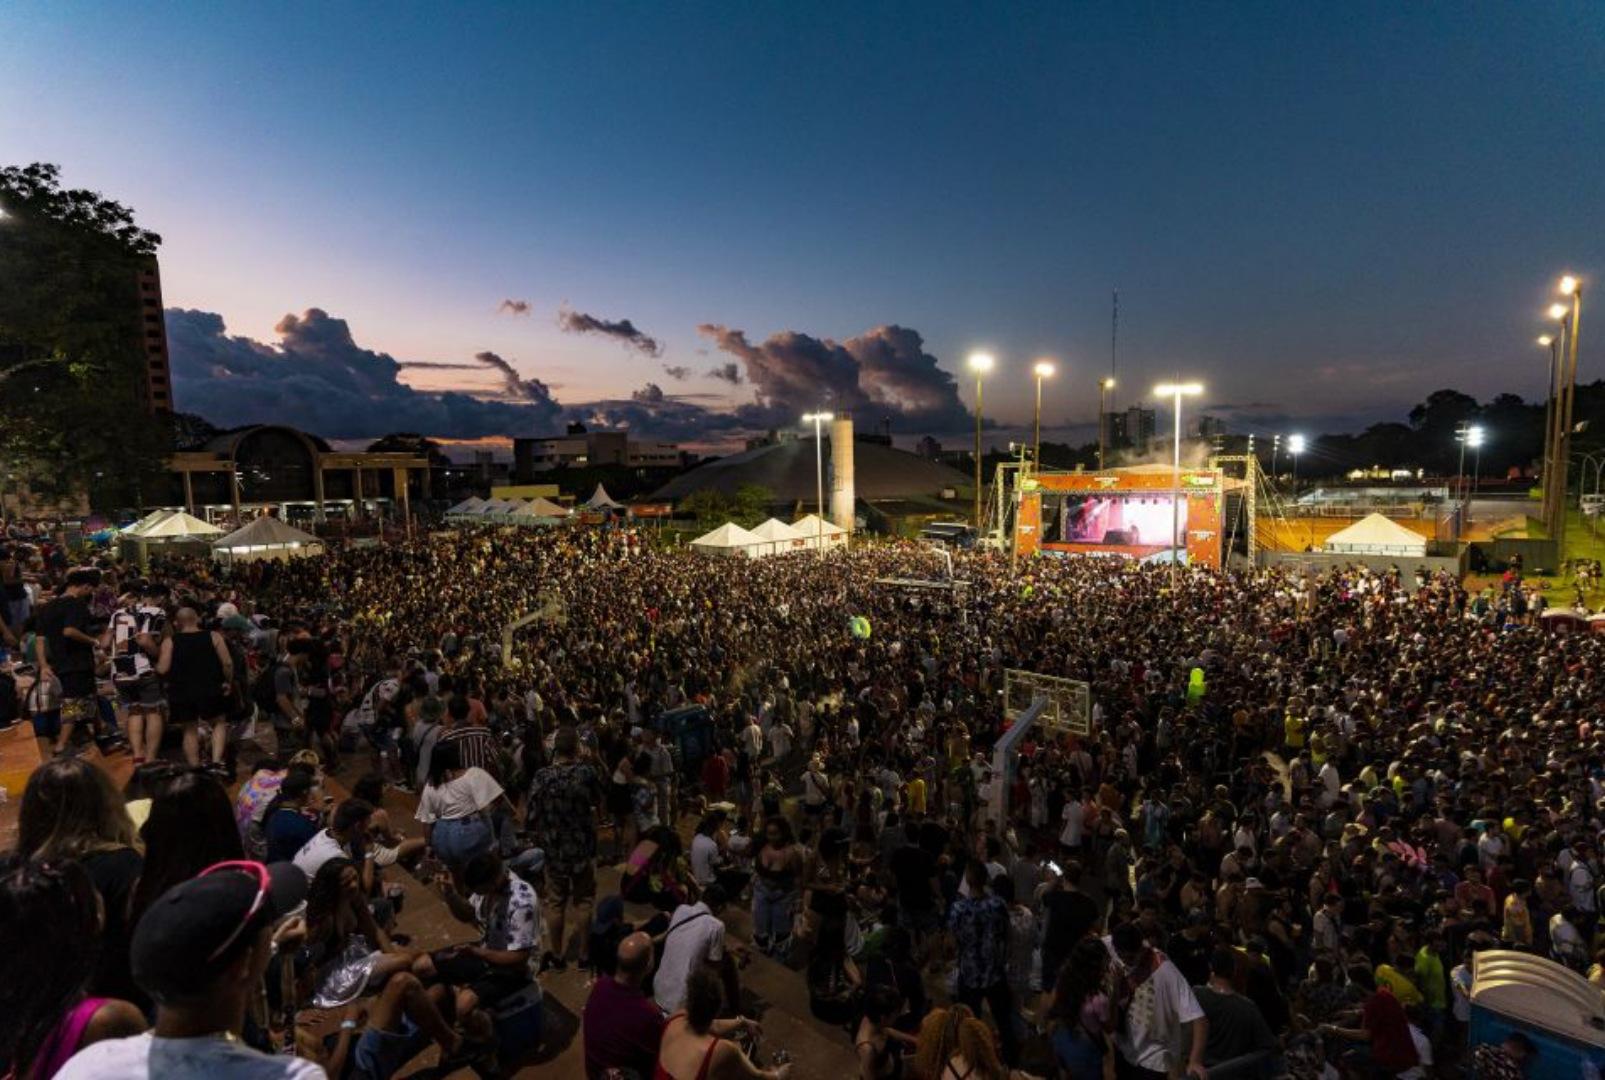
(72, 413)
(749, 506)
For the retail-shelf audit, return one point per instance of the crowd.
(1302, 805)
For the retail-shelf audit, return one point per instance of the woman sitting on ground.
(880, 1046)
(694, 1047)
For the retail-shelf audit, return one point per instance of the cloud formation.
(730, 373)
(882, 373)
(513, 307)
(318, 378)
(679, 374)
(622, 330)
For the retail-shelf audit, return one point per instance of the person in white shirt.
(345, 838)
(1074, 816)
(1162, 1013)
(695, 936)
(201, 951)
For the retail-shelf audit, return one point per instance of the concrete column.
(317, 491)
(189, 493)
(403, 497)
(361, 512)
(234, 491)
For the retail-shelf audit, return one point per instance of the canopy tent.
(1376, 534)
(601, 500)
(493, 508)
(818, 532)
(176, 533)
(728, 539)
(265, 538)
(138, 527)
(778, 537)
(469, 506)
(546, 508)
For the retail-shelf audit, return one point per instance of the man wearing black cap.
(200, 951)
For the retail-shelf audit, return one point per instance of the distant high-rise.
(1132, 428)
(156, 376)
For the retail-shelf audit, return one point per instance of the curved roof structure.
(787, 470)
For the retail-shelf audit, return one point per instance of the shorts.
(382, 1054)
(144, 692)
(191, 712)
(457, 840)
(574, 885)
(490, 986)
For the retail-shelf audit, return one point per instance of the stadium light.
(818, 418)
(1568, 285)
(980, 363)
(1176, 391)
(1295, 446)
(1043, 370)
(1559, 311)
(1104, 386)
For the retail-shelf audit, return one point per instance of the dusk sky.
(1323, 212)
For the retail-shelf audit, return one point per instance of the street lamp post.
(1474, 439)
(818, 418)
(1043, 369)
(1295, 447)
(1176, 391)
(980, 363)
(1569, 286)
(1547, 462)
(1104, 386)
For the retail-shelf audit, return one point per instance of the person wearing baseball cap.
(200, 951)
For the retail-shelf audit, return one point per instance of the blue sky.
(1322, 211)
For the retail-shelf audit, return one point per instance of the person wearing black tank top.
(199, 673)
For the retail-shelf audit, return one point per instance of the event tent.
(546, 508)
(778, 537)
(468, 507)
(147, 521)
(1376, 534)
(536, 512)
(728, 539)
(265, 538)
(176, 533)
(818, 532)
(601, 500)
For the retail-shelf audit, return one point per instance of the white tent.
(778, 537)
(818, 532)
(546, 508)
(728, 539)
(1376, 534)
(265, 538)
(469, 506)
(139, 527)
(601, 500)
(179, 526)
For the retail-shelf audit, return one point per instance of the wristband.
(348, 1025)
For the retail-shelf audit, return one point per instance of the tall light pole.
(980, 363)
(1474, 437)
(1546, 462)
(1276, 452)
(818, 418)
(1104, 386)
(1043, 369)
(1569, 286)
(1176, 391)
(1295, 446)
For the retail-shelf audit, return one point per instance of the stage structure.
(1122, 512)
(1055, 706)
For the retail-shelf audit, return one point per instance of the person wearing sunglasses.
(200, 951)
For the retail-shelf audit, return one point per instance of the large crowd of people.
(1302, 802)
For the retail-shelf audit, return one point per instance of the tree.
(707, 507)
(72, 412)
(750, 505)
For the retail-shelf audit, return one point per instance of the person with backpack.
(277, 692)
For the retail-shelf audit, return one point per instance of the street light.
(980, 363)
(818, 418)
(1104, 386)
(1177, 391)
(1295, 446)
(1571, 323)
(1043, 370)
(1474, 439)
(1547, 463)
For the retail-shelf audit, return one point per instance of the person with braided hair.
(50, 926)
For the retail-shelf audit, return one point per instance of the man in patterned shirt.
(980, 925)
(563, 801)
(507, 912)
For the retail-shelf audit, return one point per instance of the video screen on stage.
(1124, 520)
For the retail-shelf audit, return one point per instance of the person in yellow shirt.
(1518, 927)
(914, 791)
(1293, 732)
(1394, 978)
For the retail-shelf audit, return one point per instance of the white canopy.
(819, 532)
(536, 511)
(778, 537)
(266, 538)
(179, 526)
(543, 507)
(1376, 534)
(471, 505)
(728, 539)
(139, 527)
(601, 500)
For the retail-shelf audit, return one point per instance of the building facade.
(583, 448)
(156, 375)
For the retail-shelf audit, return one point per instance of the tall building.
(583, 448)
(1133, 428)
(156, 380)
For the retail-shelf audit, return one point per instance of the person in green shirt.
(1429, 972)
